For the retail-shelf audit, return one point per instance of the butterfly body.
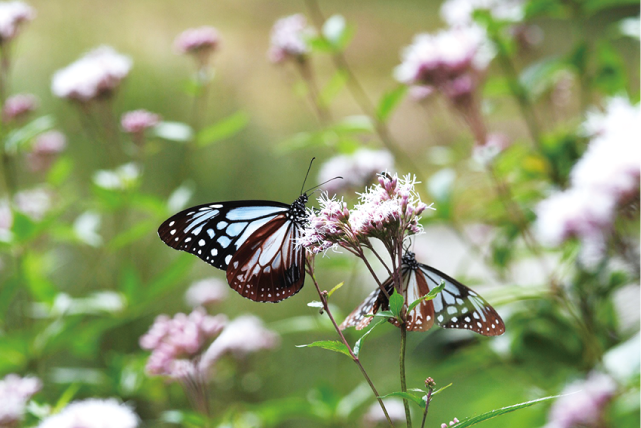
(456, 306)
(253, 241)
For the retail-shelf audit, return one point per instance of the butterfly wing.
(359, 317)
(269, 267)
(458, 306)
(415, 286)
(214, 232)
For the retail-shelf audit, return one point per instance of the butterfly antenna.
(306, 175)
(325, 182)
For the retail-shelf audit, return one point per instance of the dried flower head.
(137, 121)
(206, 292)
(200, 42)
(357, 169)
(18, 106)
(45, 149)
(585, 404)
(93, 413)
(15, 392)
(96, 74)
(289, 38)
(13, 14)
(176, 342)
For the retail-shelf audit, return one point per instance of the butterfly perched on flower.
(253, 241)
(456, 306)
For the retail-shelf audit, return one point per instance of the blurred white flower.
(584, 405)
(93, 413)
(136, 121)
(86, 228)
(357, 169)
(494, 145)
(121, 178)
(460, 12)
(288, 38)
(98, 73)
(206, 292)
(45, 149)
(15, 392)
(12, 15)
(375, 416)
(34, 202)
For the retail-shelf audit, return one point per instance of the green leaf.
(494, 413)
(541, 76)
(354, 124)
(19, 137)
(441, 389)
(382, 314)
(359, 342)
(336, 287)
(333, 87)
(406, 395)
(66, 397)
(331, 345)
(429, 296)
(131, 235)
(389, 101)
(396, 302)
(223, 129)
(173, 131)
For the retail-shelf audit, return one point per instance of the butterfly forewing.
(458, 306)
(269, 267)
(215, 232)
(361, 316)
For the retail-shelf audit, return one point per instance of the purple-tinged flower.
(137, 121)
(93, 413)
(289, 38)
(357, 169)
(494, 145)
(584, 404)
(15, 392)
(452, 422)
(97, 74)
(328, 226)
(45, 149)
(242, 336)
(122, 178)
(18, 106)
(206, 292)
(200, 42)
(13, 15)
(460, 13)
(375, 416)
(177, 339)
(34, 202)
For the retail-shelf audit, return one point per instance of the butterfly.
(456, 306)
(253, 241)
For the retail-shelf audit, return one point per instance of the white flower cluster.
(97, 73)
(93, 413)
(15, 392)
(603, 179)
(288, 38)
(461, 12)
(12, 15)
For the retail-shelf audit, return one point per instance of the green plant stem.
(322, 112)
(406, 403)
(427, 406)
(323, 298)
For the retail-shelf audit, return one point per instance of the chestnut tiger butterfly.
(253, 241)
(456, 306)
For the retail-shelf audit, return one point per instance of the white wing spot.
(176, 239)
(228, 259)
(210, 232)
(201, 242)
(454, 319)
(216, 206)
(475, 315)
(440, 318)
(452, 310)
(172, 223)
(214, 252)
(172, 232)
(188, 239)
(479, 324)
(467, 319)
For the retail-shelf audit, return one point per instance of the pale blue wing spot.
(250, 213)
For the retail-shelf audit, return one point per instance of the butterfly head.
(410, 260)
(297, 210)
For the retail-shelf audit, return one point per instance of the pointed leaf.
(406, 395)
(396, 302)
(389, 101)
(223, 129)
(359, 342)
(336, 287)
(331, 345)
(498, 412)
(429, 296)
(381, 314)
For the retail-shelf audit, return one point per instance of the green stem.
(406, 403)
(324, 116)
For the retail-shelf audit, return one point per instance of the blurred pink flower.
(452, 422)
(357, 169)
(137, 121)
(18, 106)
(45, 150)
(288, 38)
(328, 226)
(96, 74)
(244, 335)
(206, 292)
(375, 416)
(93, 413)
(200, 42)
(15, 392)
(182, 337)
(460, 13)
(494, 145)
(34, 202)
(585, 403)
(13, 15)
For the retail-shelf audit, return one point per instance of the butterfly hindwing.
(269, 267)
(361, 316)
(214, 232)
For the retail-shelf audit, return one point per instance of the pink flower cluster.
(450, 61)
(452, 423)
(605, 178)
(15, 392)
(200, 42)
(18, 106)
(13, 15)
(582, 403)
(98, 73)
(137, 121)
(176, 341)
(93, 413)
(45, 149)
(357, 169)
(288, 38)
(387, 211)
